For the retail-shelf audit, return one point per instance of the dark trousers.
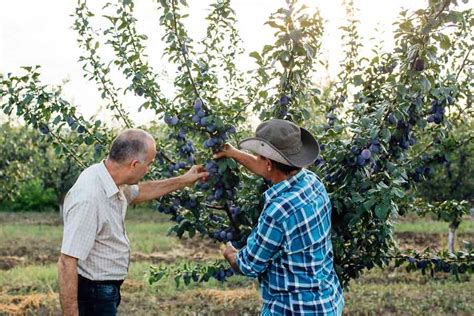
(98, 298)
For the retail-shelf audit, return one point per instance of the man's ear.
(269, 164)
(134, 163)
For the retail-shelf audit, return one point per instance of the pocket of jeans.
(107, 292)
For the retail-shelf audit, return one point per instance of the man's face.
(139, 169)
(264, 167)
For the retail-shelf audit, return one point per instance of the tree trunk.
(61, 205)
(61, 211)
(452, 235)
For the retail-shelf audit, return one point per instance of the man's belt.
(101, 282)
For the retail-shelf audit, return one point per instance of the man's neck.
(280, 176)
(114, 171)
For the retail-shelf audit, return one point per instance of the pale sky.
(39, 32)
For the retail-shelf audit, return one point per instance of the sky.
(36, 32)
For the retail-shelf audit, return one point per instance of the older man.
(290, 249)
(95, 252)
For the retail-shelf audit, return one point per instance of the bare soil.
(34, 252)
(420, 241)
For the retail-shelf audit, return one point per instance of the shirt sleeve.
(81, 225)
(262, 245)
(131, 192)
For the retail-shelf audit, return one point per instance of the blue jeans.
(98, 298)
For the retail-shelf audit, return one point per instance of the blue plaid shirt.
(290, 250)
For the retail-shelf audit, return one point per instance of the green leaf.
(444, 42)
(397, 192)
(382, 211)
(425, 84)
(256, 55)
(266, 49)
(406, 26)
(57, 120)
(358, 80)
(385, 134)
(232, 164)
(368, 204)
(222, 165)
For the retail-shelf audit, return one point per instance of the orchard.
(383, 123)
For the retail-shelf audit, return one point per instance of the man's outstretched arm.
(253, 163)
(151, 190)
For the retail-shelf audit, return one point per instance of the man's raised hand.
(226, 152)
(195, 173)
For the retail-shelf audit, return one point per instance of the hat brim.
(306, 156)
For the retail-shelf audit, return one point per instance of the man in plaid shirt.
(290, 249)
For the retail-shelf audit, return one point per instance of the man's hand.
(152, 190)
(227, 151)
(197, 172)
(249, 161)
(230, 254)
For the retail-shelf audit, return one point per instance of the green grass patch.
(427, 226)
(150, 237)
(145, 214)
(25, 280)
(31, 231)
(398, 292)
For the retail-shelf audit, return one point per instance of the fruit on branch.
(449, 99)
(360, 160)
(231, 130)
(197, 105)
(365, 154)
(436, 112)
(44, 129)
(419, 64)
(284, 100)
(139, 91)
(204, 121)
(70, 121)
(374, 146)
(211, 128)
(392, 119)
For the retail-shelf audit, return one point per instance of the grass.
(428, 226)
(148, 237)
(394, 291)
(30, 287)
(26, 279)
(31, 231)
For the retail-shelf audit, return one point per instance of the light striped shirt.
(94, 230)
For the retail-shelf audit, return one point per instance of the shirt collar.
(282, 186)
(108, 183)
